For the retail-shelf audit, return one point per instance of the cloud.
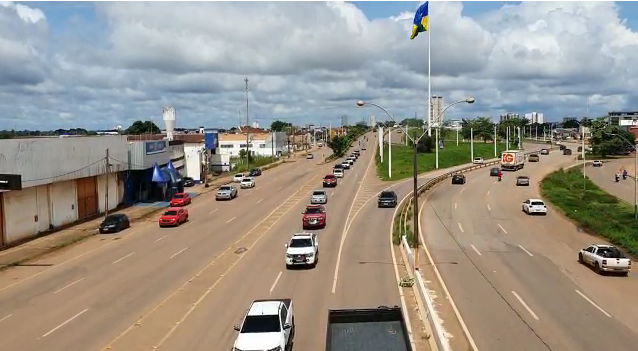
(308, 62)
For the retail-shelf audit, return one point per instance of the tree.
(279, 126)
(483, 128)
(146, 127)
(610, 140)
(338, 144)
(570, 124)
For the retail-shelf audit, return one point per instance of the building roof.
(251, 130)
(186, 138)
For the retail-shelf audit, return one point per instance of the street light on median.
(469, 100)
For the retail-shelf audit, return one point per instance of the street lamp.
(360, 103)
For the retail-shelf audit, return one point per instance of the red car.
(173, 217)
(330, 181)
(180, 199)
(314, 217)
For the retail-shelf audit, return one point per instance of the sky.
(100, 65)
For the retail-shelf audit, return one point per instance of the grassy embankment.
(255, 162)
(450, 156)
(592, 208)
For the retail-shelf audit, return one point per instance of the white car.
(309, 156)
(605, 258)
(268, 325)
(338, 172)
(238, 178)
(534, 206)
(247, 183)
(350, 161)
(478, 160)
(345, 164)
(302, 249)
(597, 164)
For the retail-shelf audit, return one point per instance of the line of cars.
(245, 180)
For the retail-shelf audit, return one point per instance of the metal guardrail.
(420, 283)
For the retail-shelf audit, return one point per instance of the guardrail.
(421, 288)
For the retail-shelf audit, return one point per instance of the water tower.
(168, 115)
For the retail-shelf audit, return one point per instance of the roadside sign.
(508, 158)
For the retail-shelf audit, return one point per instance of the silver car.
(319, 197)
(522, 180)
(226, 192)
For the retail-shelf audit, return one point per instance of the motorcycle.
(624, 176)
(617, 179)
(500, 178)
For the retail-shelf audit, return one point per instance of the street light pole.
(415, 174)
(390, 153)
(471, 144)
(494, 140)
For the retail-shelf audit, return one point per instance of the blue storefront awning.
(159, 176)
(172, 175)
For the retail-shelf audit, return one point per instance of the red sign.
(508, 158)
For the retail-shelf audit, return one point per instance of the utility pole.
(272, 146)
(205, 155)
(247, 126)
(106, 192)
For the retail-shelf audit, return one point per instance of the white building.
(373, 121)
(436, 110)
(534, 117)
(261, 144)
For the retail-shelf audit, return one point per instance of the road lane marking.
(455, 205)
(69, 285)
(65, 323)
(281, 187)
(160, 238)
(275, 283)
(503, 229)
(462, 190)
(230, 220)
(461, 228)
(213, 211)
(346, 227)
(258, 201)
(476, 250)
(593, 303)
(5, 317)
(525, 305)
(120, 259)
(179, 252)
(332, 193)
(488, 192)
(524, 249)
(488, 207)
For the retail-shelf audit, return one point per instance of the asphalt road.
(515, 278)
(82, 297)
(604, 177)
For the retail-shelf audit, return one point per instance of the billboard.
(10, 182)
(210, 139)
(155, 146)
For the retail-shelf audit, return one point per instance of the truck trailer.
(374, 329)
(512, 160)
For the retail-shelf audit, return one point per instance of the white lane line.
(258, 201)
(332, 193)
(488, 207)
(525, 305)
(213, 211)
(160, 239)
(281, 187)
(476, 250)
(65, 323)
(593, 303)
(230, 220)
(488, 192)
(275, 283)
(503, 229)
(127, 256)
(524, 249)
(69, 285)
(462, 190)
(5, 317)
(461, 228)
(179, 252)
(455, 205)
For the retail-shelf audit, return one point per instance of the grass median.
(452, 155)
(592, 208)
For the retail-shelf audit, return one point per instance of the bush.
(592, 208)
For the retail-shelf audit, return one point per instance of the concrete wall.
(115, 195)
(63, 200)
(25, 213)
(48, 160)
(140, 160)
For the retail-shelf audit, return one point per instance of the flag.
(420, 23)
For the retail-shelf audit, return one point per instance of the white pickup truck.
(268, 325)
(605, 258)
(302, 249)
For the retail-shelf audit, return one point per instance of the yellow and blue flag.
(420, 23)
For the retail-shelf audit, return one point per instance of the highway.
(515, 278)
(184, 288)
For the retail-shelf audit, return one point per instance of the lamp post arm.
(392, 118)
(441, 114)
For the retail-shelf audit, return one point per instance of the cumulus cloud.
(310, 61)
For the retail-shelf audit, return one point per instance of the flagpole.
(429, 84)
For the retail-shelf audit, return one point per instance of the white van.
(338, 172)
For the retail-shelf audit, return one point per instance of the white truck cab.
(605, 258)
(268, 325)
(302, 249)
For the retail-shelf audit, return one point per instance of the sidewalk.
(139, 212)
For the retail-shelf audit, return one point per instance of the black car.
(387, 199)
(567, 151)
(255, 172)
(458, 179)
(494, 171)
(114, 223)
(562, 147)
(188, 181)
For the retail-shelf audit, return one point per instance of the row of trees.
(340, 144)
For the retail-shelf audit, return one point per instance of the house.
(259, 144)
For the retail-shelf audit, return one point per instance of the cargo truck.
(512, 160)
(374, 329)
